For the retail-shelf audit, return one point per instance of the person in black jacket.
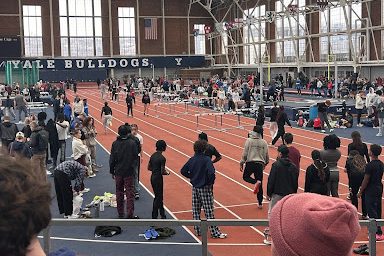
(199, 169)
(156, 165)
(322, 110)
(281, 120)
(129, 101)
(317, 175)
(122, 162)
(359, 145)
(260, 119)
(53, 141)
(8, 132)
(283, 178)
(354, 167)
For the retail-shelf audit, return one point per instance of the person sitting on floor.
(346, 121)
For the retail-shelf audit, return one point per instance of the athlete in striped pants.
(199, 169)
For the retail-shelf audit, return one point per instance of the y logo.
(178, 61)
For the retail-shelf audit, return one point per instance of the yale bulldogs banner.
(106, 63)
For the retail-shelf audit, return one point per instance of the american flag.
(150, 26)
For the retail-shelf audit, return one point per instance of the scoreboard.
(10, 46)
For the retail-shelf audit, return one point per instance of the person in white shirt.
(135, 129)
(80, 151)
(78, 107)
(359, 105)
(236, 97)
(368, 100)
(221, 99)
(62, 127)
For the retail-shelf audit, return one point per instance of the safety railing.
(371, 224)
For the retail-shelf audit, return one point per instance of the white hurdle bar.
(172, 105)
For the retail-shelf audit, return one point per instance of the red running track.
(233, 197)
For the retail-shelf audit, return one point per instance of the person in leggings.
(157, 166)
(331, 155)
(281, 120)
(255, 157)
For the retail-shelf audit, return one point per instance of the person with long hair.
(260, 118)
(146, 100)
(317, 175)
(354, 167)
(106, 115)
(359, 145)
(281, 120)
(331, 155)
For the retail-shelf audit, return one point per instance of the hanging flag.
(150, 25)
(270, 16)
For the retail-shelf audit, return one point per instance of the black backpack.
(43, 140)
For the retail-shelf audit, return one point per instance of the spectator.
(53, 141)
(260, 119)
(156, 165)
(19, 148)
(78, 107)
(210, 151)
(294, 153)
(317, 175)
(20, 104)
(9, 107)
(273, 123)
(122, 161)
(129, 102)
(134, 130)
(359, 105)
(39, 146)
(62, 128)
(8, 132)
(27, 128)
(255, 156)
(369, 100)
(354, 167)
(67, 110)
(359, 145)
(380, 113)
(321, 226)
(283, 178)
(86, 108)
(199, 169)
(24, 208)
(331, 155)
(90, 133)
(373, 187)
(322, 110)
(63, 174)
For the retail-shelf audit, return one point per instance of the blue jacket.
(199, 169)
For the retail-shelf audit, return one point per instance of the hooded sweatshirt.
(255, 149)
(313, 183)
(283, 178)
(20, 149)
(8, 131)
(34, 143)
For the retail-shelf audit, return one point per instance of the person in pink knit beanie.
(309, 224)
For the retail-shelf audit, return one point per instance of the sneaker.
(360, 249)
(331, 130)
(92, 175)
(379, 237)
(221, 236)
(260, 206)
(257, 187)
(73, 216)
(323, 131)
(85, 190)
(359, 125)
(48, 173)
(137, 196)
(267, 242)
(379, 134)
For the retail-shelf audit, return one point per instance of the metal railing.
(371, 224)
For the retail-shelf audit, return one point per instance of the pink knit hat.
(311, 224)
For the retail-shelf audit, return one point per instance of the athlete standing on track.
(146, 100)
(281, 120)
(210, 151)
(135, 129)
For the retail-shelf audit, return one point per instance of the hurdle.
(171, 106)
(36, 105)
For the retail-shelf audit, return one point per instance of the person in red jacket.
(294, 154)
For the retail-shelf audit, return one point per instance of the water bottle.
(101, 205)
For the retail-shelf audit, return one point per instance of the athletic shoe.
(260, 206)
(323, 131)
(331, 130)
(257, 187)
(73, 216)
(48, 173)
(359, 125)
(92, 175)
(361, 249)
(376, 127)
(267, 242)
(379, 237)
(137, 196)
(379, 134)
(221, 236)
(85, 190)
